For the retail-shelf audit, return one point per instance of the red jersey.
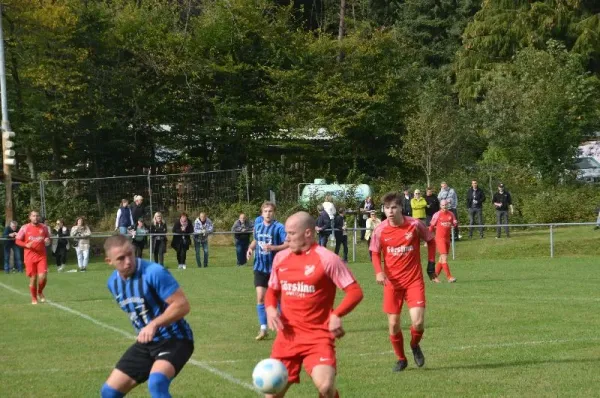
(401, 250)
(442, 222)
(307, 282)
(35, 234)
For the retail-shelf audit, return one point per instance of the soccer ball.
(270, 376)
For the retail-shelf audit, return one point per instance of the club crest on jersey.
(309, 270)
(409, 235)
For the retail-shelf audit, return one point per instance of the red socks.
(33, 291)
(41, 285)
(416, 337)
(398, 343)
(438, 268)
(445, 267)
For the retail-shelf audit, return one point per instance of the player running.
(398, 238)
(304, 281)
(156, 305)
(269, 236)
(442, 222)
(34, 237)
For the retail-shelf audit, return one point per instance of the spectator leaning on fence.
(124, 220)
(202, 228)
(323, 227)
(81, 232)
(418, 205)
(502, 202)
(137, 209)
(242, 229)
(158, 229)
(433, 205)
(449, 194)
(140, 237)
(182, 229)
(475, 199)
(10, 233)
(60, 245)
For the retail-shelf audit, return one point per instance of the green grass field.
(516, 324)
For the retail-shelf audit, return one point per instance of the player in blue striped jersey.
(156, 306)
(269, 236)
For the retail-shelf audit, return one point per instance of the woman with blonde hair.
(159, 241)
(81, 232)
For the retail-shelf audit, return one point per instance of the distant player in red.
(398, 239)
(34, 237)
(304, 280)
(442, 222)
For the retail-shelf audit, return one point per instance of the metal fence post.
(354, 242)
(452, 234)
(551, 241)
(151, 213)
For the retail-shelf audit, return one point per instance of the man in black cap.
(502, 202)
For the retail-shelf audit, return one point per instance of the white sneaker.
(61, 268)
(183, 266)
(179, 266)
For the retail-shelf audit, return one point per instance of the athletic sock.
(109, 392)
(438, 268)
(33, 291)
(416, 337)
(447, 270)
(262, 315)
(397, 341)
(158, 385)
(41, 285)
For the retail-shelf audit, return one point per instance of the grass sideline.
(510, 326)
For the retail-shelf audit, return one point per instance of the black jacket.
(433, 204)
(159, 229)
(323, 221)
(137, 212)
(338, 224)
(182, 241)
(504, 199)
(406, 207)
(478, 196)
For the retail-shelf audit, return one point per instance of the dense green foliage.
(411, 91)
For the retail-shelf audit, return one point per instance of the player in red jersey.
(442, 222)
(34, 237)
(304, 280)
(398, 238)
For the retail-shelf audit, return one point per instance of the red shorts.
(442, 246)
(393, 297)
(36, 266)
(294, 356)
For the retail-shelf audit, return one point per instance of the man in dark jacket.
(323, 226)
(137, 209)
(502, 202)
(243, 229)
(124, 221)
(433, 205)
(10, 233)
(341, 237)
(475, 199)
(406, 207)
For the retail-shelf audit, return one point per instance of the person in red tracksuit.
(442, 222)
(34, 238)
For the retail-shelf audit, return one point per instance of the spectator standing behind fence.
(60, 245)
(597, 227)
(182, 230)
(372, 223)
(242, 228)
(140, 237)
(449, 194)
(475, 200)
(418, 205)
(433, 205)
(202, 228)
(137, 209)
(159, 242)
(124, 220)
(323, 227)
(10, 233)
(406, 205)
(364, 213)
(502, 202)
(81, 232)
(341, 236)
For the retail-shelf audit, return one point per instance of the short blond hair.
(266, 204)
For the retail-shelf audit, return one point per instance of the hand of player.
(381, 278)
(273, 319)
(28, 245)
(268, 247)
(47, 241)
(431, 270)
(147, 333)
(335, 326)
(248, 254)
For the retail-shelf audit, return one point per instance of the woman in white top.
(81, 232)
(372, 223)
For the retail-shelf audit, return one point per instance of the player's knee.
(418, 325)
(108, 392)
(158, 385)
(326, 387)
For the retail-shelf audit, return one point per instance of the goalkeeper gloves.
(431, 270)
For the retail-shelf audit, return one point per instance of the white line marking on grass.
(54, 370)
(201, 365)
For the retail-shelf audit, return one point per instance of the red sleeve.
(272, 297)
(376, 260)
(424, 232)
(20, 238)
(353, 296)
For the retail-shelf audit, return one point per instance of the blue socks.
(262, 315)
(109, 392)
(158, 385)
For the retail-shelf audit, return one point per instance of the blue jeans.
(123, 230)
(241, 247)
(198, 244)
(323, 240)
(17, 253)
